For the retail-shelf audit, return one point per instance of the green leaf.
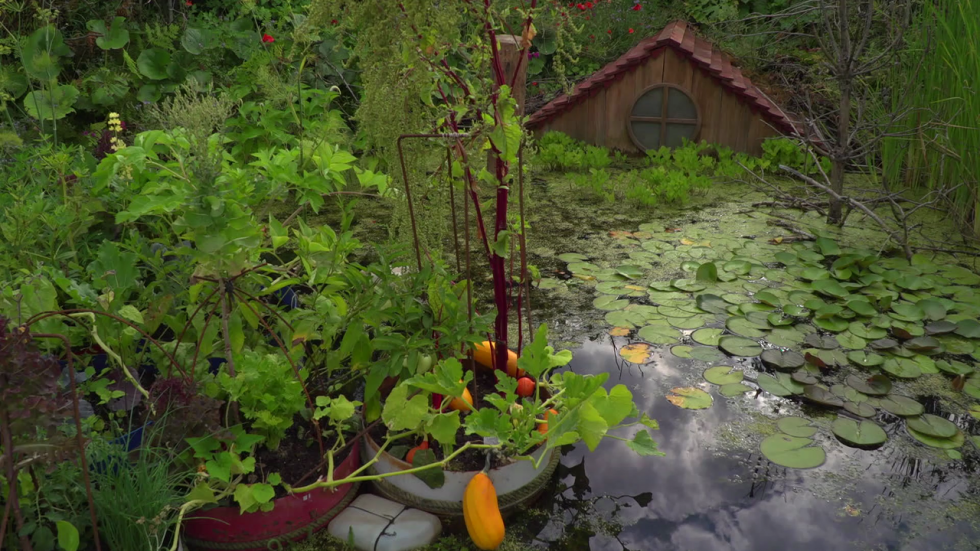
(201, 492)
(42, 52)
(796, 426)
(876, 385)
(793, 452)
(968, 328)
(708, 336)
(712, 304)
(433, 477)
(932, 425)
(782, 360)
(830, 287)
(942, 443)
(580, 387)
(737, 346)
(903, 406)
(707, 272)
(113, 38)
(659, 333)
(615, 406)
(153, 62)
(734, 389)
(858, 434)
(782, 384)
(447, 378)
(67, 535)
(591, 426)
(903, 368)
(828, 247)
(51, 104)
(131, 313)
(196, 41)
(865, 359)
(723, 375)
(689, 398)
(538, 357)
(907, 311)
(644, 445)
(401, 413)
(443, 427)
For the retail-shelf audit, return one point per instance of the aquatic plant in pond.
(842, 329)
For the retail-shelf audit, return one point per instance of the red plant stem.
(197, 347)
(79, 440)
(8, 445)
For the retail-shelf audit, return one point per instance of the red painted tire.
(294, 517)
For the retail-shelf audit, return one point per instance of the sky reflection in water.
(700, 497)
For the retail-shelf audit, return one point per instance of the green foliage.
(228, 460)
(268, 392)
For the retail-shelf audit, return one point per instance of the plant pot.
(517, 484)
(293, 518)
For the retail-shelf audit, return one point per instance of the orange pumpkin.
(525, 387)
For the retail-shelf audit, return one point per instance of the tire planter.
(517, 484)
(294, 517)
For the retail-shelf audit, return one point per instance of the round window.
(663, 114)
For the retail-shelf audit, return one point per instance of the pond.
(607, 282)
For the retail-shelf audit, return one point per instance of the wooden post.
(509, 47)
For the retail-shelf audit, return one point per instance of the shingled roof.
(680, 38)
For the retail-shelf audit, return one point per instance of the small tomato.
(525, 387)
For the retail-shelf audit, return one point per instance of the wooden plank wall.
(725, 119)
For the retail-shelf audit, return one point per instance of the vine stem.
(118, 359)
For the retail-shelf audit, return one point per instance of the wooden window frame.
(663, 119)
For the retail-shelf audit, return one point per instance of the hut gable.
(669, 86)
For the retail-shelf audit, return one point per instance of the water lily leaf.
(723, 375)
(779, 385)
(793, 452)
(906, 311)
(913, 282)
(932, 308)
(625, 318)
(689, 398)
(828, 247)
(707, 354)
(822, 396)
(796, 311)
(830, 287)
(883, 344)
(902, 368)
(629, 272)
(923, 344)
(940, 327)
(582, 268)
(734, 389)
(707, 272)
(659, 334)
(804, 377)
(611, 288)
(656, 246)
(610, 302)
(860, 409)
(850, 341)
(858, 434)
(709, 336)
(681, 351)
(673, 312)
(825, 342)
(744, 327)
(738, 346)
(862, 308)
(969, 328)
(942, 443)
(865, 359)
(572, 257)
(833, 324)
(907, 330)
(860, 330)
(926, 364)
(711, 303)
(975, 411)
(785, 337)
(637, 353)
(737, 267)
(932, 425)
(796, 426)
(903, 406)
(972, 386)
(875, 385)
(782, 360)
(693, 322)
(689, 285)
(954, 367)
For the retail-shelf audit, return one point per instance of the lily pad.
(803, 377)
(865, 359)
(969, 328)
(713, 304)
(723, 375)
(942, 443)
(796, 426)
(834, 324)
(744, 327)
(659, 334)
(689, 285)
(972, 387)
(903, 368)
(825, 342)
(858, 434)
(830, 287)
(782, 360)
(793, 452)
(875, 385)
(738, 346)
(850, 341)
(637, 353)
(572, 257)
(902, 406)
(689, 398)
(883, 344)
(820, 395)
(796, 311)
(932, 308)
(734, 389)
(619, 331)
(860, 409)
(779, 385)
(859, 329)
(923, 344)
(707, 354)
(785, 337)
(709, 336)
(681, 351)
(954, 367)
(932, 425)
(940, 327)
(610, 302)
(862, 308)
(693, 322)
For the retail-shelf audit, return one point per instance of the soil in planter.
(298, 453)
(470, 460)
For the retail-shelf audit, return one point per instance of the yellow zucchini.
(483, 355)
(481, 513)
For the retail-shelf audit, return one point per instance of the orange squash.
(543, 427)
(411, 453)
(462, 404)
(482, 514)
(483, 355)
(525, 387)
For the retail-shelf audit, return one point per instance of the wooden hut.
(668, 87)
